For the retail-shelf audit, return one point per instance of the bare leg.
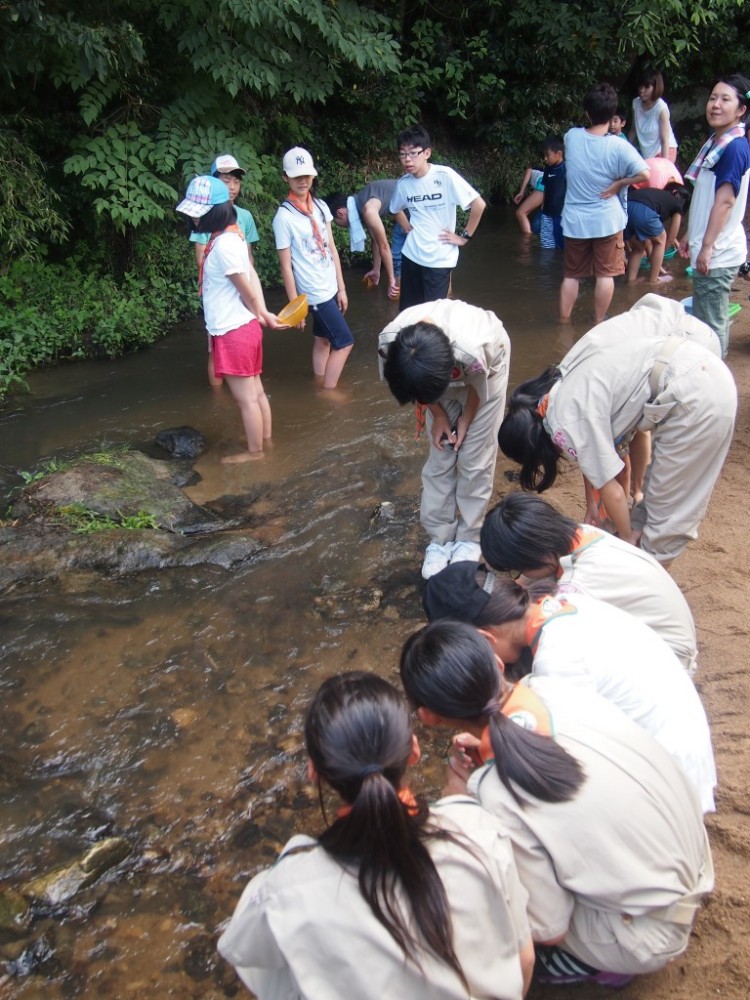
(568, 296)
(335, 366)
(658, 246)
(247, 393)
(213, 380)
(526, 209)
(640, 456)
(321, 350)
(604, 289)
(634, 260)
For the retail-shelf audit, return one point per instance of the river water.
(166, 707)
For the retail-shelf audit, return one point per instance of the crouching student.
(393, 899)
(452, 360)
(524, 535)
(589, 645)
(606, 829)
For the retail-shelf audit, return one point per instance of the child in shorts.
(599, 170)
(228, 170)
(553, 179)
(310, 265)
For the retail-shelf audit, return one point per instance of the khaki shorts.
(603, 257)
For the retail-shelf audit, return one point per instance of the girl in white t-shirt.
(393, 899)
(310, 265)
(651, 125)
(233, 308)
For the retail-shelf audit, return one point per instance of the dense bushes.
(52, 312)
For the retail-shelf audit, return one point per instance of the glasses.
(411, 155)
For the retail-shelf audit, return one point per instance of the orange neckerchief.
(234, 228)
(404, 794)
(585, 536)
(421, 419)
(541, 407)
(543, 611)
(307, 207)
(526, 709)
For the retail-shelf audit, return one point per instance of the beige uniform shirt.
(604, 392)
(303, 930)
(605, 868)
(621, 574)
(480, 344)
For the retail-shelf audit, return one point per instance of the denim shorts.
(643, 222)
(330, 325)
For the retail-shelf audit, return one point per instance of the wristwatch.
(465, 235)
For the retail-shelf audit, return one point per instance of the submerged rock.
(118, 512)
(15, 914)
(129, 485)
(181, 442)
(63, 883)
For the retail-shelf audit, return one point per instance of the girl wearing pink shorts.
(233, 308)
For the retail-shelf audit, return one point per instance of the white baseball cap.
(298, 162)
(226, 164)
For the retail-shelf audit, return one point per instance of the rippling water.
(165, 707)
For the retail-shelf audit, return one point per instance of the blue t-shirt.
(555, 184)
(593, 163)
(244, 220)
(732, 165)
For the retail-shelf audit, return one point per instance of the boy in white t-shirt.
(430, 193)
(310, 265)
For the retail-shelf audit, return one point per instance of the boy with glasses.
(430, 193)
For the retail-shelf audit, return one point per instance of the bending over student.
(392, 899)
(607, 831)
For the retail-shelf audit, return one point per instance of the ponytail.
(509, 600)
(450, 669)
(522, 436)
(359, 739)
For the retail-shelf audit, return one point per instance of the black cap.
(454, 592)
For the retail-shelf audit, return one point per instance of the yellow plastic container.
(295, 311)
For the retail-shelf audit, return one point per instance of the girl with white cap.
(310, 265)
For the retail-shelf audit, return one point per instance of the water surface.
(165, 707)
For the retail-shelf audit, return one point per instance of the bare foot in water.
(335, 394)
(243, 456)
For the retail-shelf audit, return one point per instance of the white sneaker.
(436, 558)
(466, 552)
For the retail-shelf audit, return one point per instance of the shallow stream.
(165, 707)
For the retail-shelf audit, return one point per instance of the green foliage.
(273, 48)
(28, 207)
(121, 164)
(53, 312)
(85, 521)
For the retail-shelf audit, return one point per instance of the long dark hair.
(359, 739)
(510, 600)
(523, 531)
(450, 669)
(522, 436)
